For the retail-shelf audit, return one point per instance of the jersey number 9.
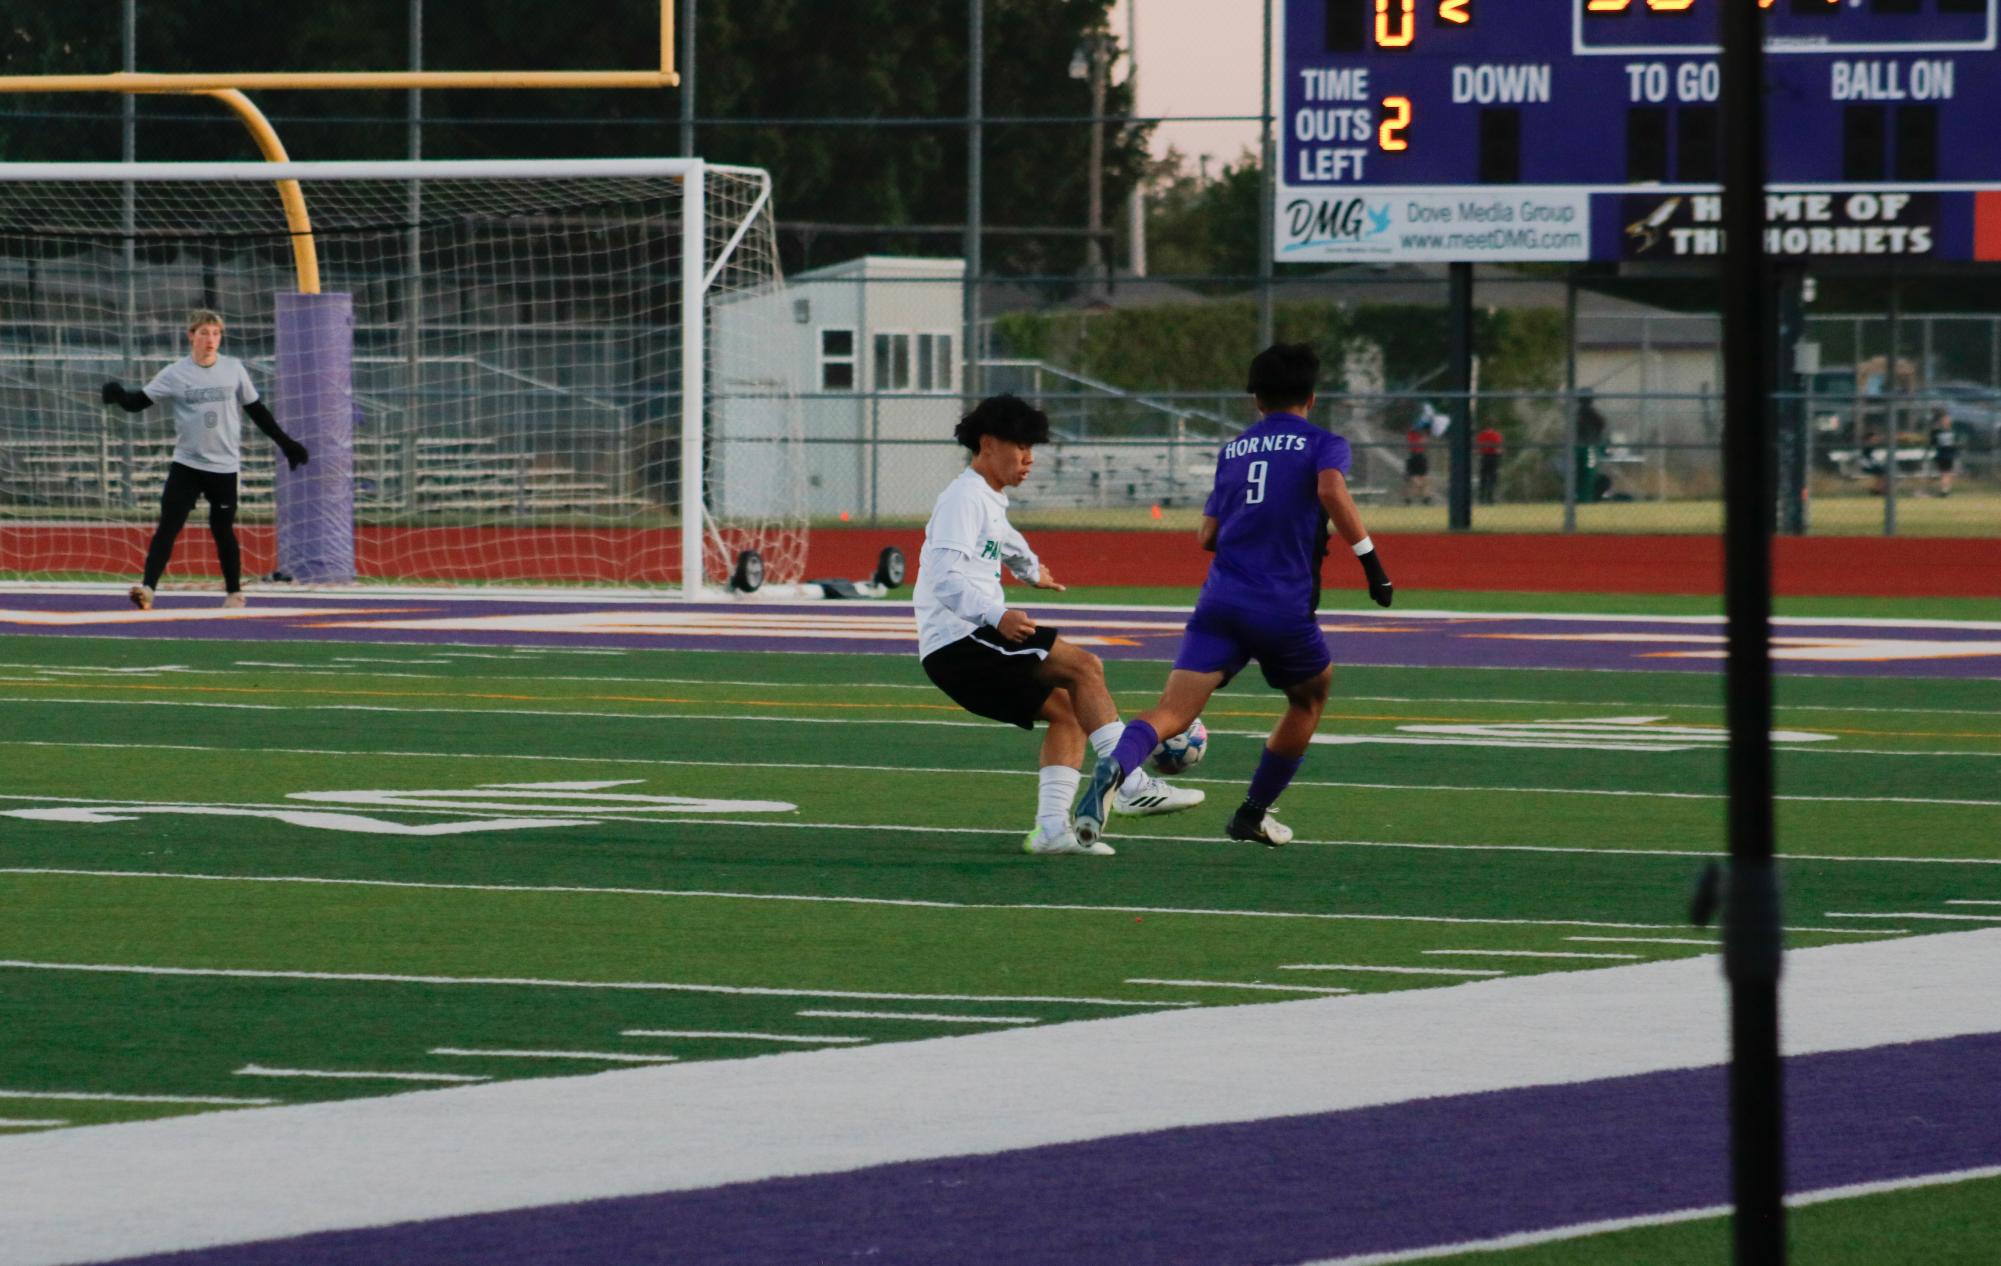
(1256, 475)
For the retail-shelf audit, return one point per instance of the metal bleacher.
(392, 475)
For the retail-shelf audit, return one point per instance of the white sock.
(1052, 804)
(1134, 781)
(1105, 739)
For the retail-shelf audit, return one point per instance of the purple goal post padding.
(313, 399)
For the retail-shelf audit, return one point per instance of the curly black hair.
(1284, 375)
(1004, 417)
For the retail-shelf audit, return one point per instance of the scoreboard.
(1521, 130)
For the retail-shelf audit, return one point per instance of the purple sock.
(1273, 777)
(1135, 745)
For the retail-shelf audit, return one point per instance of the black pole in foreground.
(1751, 919)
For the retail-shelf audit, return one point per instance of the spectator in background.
(1487, 443)
(1591, 485)
(1945, 449)
(1417, 460)
(1871, 461)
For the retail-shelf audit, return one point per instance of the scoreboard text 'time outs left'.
(1591, 129)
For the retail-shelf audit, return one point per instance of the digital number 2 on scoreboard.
(1393, 24)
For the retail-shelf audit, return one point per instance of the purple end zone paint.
(314, 392)
(1627, 643)
(1385, 1179)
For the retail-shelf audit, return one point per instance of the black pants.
(185, 485)
(1490, 474)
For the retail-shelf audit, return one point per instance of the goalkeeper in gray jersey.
(211, 394)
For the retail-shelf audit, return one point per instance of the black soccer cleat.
(1258, 826)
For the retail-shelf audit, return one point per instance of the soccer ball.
(1184, 750)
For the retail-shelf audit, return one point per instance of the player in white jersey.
(996, 661)
(211, 395)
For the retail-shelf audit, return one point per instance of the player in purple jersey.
(1264, 522)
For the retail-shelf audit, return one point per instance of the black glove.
(296, 454)
(112, 392)
(1379, 580)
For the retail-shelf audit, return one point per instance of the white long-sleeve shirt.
(966, 542)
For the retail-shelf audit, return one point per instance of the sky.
(1199, 57)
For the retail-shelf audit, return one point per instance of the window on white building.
(892, 362)
(934, 362)
(837, 360)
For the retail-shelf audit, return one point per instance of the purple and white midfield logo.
(490, 807)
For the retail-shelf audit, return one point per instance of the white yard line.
(1713, 708)
(1196, 911)
(1648, 940)
(927, 1017)
(572, 713)
(222, 1178)
(610, 1057)
(1397, 971)
(1971, 901)
(31, 1123)
(530, 982)
(806, 1039)
(258, 1070)
(1920, 914)
(1580, 1230)
(1235, 984)
(1504, 953)
(907, 769)
(83, 1096)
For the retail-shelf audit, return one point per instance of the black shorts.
(1944, 459)
(991, 677)
(1417, 465)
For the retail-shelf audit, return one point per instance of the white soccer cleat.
(1266, 830)
(1064, 841)
(1155, 796)
(234, 599)
(142, 597)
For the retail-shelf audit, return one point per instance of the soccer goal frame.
(704, 250)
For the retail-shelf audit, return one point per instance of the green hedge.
(1206, 347)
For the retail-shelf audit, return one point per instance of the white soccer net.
(517, 372)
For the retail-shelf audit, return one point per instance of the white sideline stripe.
(1398, 971)
(1594, 703)
(1548, 702)
(91, 1097)
(244, 973)
(881, 827)
(809, 1039)
(1971, 901)
(26, 1123)
(1579, 1230)
(1236, 984)
(1650, 940)
(929, 1017)
(207, 1180)
(1195, 911)
(1495, 953)
(602, 1056)
(258, 1070)
(1626, 793)
(1920, 914)
(781, 720)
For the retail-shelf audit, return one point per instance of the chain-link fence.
(1588, 415)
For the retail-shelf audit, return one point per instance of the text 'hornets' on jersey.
(1267, 506)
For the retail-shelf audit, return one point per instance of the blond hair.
(203, 316)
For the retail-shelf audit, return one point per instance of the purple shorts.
(1219, 638)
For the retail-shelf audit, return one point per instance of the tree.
(848, 89)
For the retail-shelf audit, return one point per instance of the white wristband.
(1363, 546)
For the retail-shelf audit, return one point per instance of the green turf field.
(238, 873)
(241, 940)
